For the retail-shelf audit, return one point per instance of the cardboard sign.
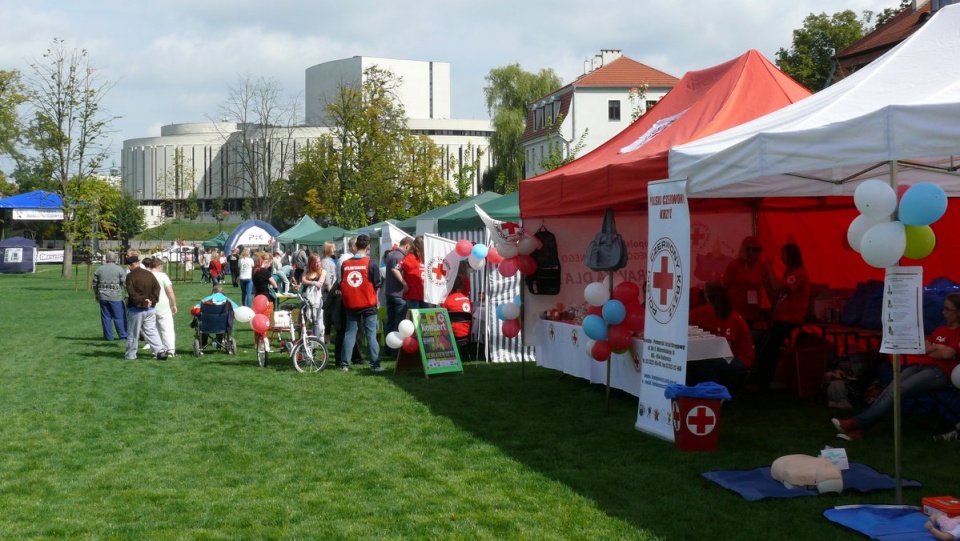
(438, 347)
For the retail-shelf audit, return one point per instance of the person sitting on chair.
(920, 373)
(718, 317)
(460, 308)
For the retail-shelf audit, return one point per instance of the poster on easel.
(437, 352)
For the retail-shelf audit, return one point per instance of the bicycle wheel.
(262, 350)
(312, 358)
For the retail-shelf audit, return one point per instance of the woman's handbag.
(607, 251)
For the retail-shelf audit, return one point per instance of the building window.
(613, 110)
(651, 103)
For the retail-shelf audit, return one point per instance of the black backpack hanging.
(607, 251)
(546, 280)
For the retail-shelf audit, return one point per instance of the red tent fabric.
(703, 103)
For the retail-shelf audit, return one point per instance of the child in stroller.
(213, 315)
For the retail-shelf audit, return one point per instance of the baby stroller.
(214, 319)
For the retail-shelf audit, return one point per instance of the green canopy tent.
(505, 208)
(216, 242)
(410, 224)
(306, 226)
(327, 234)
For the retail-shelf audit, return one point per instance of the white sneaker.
(953, 435)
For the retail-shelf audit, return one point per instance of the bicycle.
(308, 353)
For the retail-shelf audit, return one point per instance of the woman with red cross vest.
(412, 269)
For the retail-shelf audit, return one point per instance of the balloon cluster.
(611, 320)
(404, 337)
(887, 230)
(514, 254)
(509, 314)
(258, 316)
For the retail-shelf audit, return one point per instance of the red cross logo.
(510, 227)
(465, 307)
(697, 235)
(701, 421)
(663, 280)
(439, 271)
(354, 279)
(551, 332)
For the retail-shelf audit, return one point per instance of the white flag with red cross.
(440, 264)
(501, 232)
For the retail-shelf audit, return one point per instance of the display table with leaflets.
(563, 346)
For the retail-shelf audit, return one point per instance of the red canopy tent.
(703, 103)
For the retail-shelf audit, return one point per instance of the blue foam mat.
(758, 484)
(882, 522)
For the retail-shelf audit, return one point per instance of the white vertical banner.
(667, 304)
(903, 311)
(440, 263)
(390, 237)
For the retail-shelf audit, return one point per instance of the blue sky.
(172, 61)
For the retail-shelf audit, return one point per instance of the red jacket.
(458, 302)
(734, 329)
(216, 268)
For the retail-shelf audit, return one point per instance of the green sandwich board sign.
(438, 352)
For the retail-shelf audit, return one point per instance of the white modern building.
(600, 103)
(148, 164)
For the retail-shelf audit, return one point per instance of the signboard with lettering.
(438, 348)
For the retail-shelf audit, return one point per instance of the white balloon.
(883, 244)
(406, 328)
(589, 346)
(875, 198)
(596, 294)
(955, 376)
(475, 264)
(858, 227)
(510, 310)
(243, 314)
(507, 250)
(393, 340)
(527, 245)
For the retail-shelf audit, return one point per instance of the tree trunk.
(67, 269)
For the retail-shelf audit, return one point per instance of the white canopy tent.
(902, 109)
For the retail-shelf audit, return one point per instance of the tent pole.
(610, 360)
(897, 429)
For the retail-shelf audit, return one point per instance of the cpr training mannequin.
(807, 472)
(943, 527)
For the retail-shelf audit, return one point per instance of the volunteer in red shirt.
(743, 279)
(411, 267)
(718, 317)
(921, 373)
(359, 282)
(458, 302)
(216, 268)
(790, 295)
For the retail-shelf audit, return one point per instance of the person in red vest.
(458, 302)
(359, 282)
(718, 317)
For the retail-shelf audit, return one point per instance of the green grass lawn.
(95, 447)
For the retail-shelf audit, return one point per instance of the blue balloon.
(595, 327)
(480, 251)
(500, 312)
(614, 312)
(922, 204)
(517, 300)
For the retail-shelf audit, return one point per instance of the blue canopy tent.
(37, 205)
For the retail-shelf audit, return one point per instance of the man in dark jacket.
(143, 293)
(233, 263)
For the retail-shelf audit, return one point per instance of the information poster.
(903, 311)
(667, 305)
(438, 347)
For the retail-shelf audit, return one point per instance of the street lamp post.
(406, 208)
(370, 214)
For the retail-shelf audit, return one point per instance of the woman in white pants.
(166, 306)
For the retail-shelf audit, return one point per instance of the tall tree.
(177, 180)
(811, 54)
(12, 96)
(262, 147)
(889, 13)
(68, 130)
(371, 161)
(128, 219)
(509, 92)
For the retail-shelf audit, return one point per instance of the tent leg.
(610, 360)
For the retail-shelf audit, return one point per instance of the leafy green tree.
(811, 54)
(128, 219)
(219, 214)
(12, 96)
(889, 13)
(369, 161)
(509, 92)
(68, 131)
(556, 157)
(176, 180)
(246, 211)
(467, 169)
(191, 207)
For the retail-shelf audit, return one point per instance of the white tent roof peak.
(904, 106)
